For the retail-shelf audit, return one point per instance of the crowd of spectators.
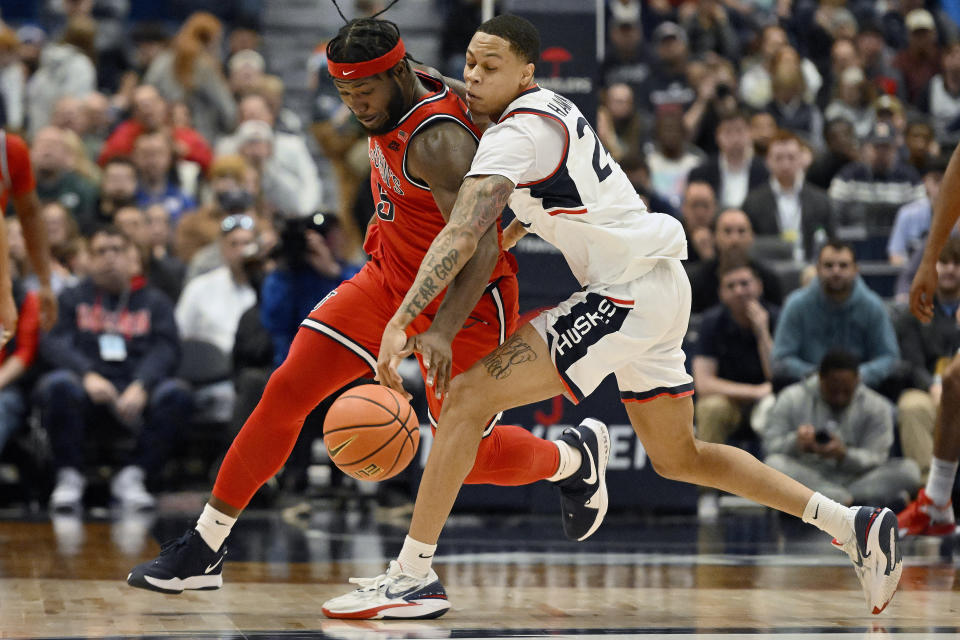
(801, 143)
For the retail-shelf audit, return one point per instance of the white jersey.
(570, 192)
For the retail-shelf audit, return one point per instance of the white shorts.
(634, 330)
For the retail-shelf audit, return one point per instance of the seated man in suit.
(787, 206)
(735, 171)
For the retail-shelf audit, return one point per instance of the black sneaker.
(583, 496)
(185, 563)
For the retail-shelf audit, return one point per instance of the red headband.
(354, 70)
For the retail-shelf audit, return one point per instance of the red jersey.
(407, 217)
(16, 174)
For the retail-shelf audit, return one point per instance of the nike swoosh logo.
(592, 478)
(346, 73)
(340, 447)
(425, 557)
(211, 567)
(816, 512)
(222, 524)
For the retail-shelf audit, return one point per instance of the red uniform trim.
(566, 143)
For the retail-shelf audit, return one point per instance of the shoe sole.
(426, 609)
(603, 440)
(175, 586)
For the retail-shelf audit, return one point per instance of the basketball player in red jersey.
(421, 144)
(17, 182)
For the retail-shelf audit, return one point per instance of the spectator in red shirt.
(150, 114)
(920, 61)
(17, 182)
(15, 358)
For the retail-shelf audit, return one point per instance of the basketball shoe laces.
(394, 575)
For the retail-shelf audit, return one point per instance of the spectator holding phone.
(833, 434)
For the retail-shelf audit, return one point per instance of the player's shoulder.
(446, 141)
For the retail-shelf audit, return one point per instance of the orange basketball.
(371, 432)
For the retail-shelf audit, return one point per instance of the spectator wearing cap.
(870, 193)
(756, 88)
(942, 98)
(245, 72)
(841, 149)
(190, 73)
(626, 60)
(290, 178)
(735, 170)
(896, 31)
(889, 109)
(56, 179)
(66, 69)
(787, 206)
(13, 80)
(667, 83)
(153, 156)
(211, 304)
(32, 40)
(920, 61)
(150, 114)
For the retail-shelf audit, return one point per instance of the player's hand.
(834, 449)
(100, 390)
(806, 437)
(131, 403)
(48, 307)
(437, 357)
(922, 290)
(512, 234)
(8, 317)
(394, 347)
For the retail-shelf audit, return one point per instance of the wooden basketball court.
(750, 575)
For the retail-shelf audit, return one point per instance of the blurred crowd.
(801, 144)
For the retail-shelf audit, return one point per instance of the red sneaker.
(924, 518)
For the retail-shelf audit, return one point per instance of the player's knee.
(463, 398)
(680, 463)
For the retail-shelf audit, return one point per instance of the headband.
(354, 70)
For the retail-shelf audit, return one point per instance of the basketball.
(371, 432)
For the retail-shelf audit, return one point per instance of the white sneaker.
(392, 595)
(128, 488)
(68, 494)
(874, 549)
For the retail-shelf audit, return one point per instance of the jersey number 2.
(384, 207)
(602, 172)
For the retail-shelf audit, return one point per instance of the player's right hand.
(437, 357)
(922, 290)
(394, 347)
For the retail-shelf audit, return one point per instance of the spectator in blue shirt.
(153, 156)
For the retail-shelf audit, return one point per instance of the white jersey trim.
(427, 121)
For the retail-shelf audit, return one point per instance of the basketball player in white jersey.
(541, 157)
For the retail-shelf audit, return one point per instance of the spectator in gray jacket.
(833, 434)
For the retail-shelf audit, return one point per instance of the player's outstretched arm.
(479, 203)
(27, 207)
(946, 212)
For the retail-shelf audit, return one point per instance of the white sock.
(214, 527)
(830, 517)
(416, 557)
(940, 480)
(570, 460)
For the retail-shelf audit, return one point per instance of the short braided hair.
(363, 39)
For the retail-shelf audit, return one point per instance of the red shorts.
(356, 312)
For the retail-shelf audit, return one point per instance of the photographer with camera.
(833, 434)
(309, 268)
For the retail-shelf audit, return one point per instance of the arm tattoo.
(479, 204)
(513, 352)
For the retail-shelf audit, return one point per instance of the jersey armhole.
(566, 142)
(429, 121)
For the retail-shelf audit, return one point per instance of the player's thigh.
(518, 372)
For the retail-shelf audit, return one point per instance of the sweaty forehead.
(368, 82)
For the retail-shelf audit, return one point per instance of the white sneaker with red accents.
(389, 596)
(874, 549)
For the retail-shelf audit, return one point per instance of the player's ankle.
(569, 461)
(416, 557)
(214, 526)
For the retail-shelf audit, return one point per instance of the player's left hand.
(437, 358)
(48, 307)
(394, 347)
